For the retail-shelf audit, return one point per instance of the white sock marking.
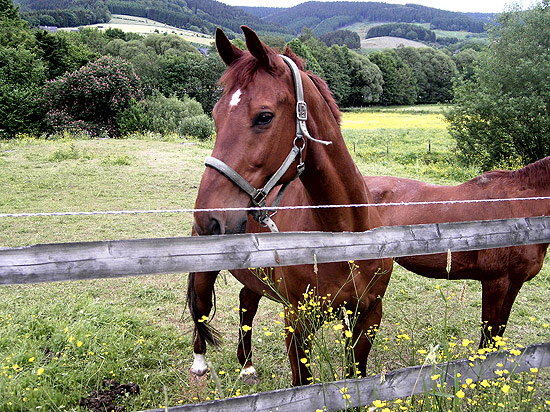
(199, 364)
(247, 371)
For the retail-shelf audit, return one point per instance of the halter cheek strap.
(259, 196)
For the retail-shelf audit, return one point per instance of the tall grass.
(59, 342)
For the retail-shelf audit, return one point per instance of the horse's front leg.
(200, 290)
(248, 300)
(296, 348)
(498, 296)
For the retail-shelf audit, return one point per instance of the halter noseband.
(258, 196)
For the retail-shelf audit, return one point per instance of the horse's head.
(255, 134)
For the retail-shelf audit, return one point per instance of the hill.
(324, 17)
(197, 15)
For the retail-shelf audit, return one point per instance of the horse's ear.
(227, 50)
(255, 46)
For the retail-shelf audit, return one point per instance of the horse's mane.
(242, 71)
(533, 175)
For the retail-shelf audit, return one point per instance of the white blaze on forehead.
(236, 98)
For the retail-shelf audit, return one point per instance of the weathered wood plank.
(396, 384)
(106, 259)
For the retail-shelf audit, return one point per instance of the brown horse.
(501, 271)
(262, 141)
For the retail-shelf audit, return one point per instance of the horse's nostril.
(242, 228)
(215, 228)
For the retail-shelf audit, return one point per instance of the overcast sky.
(484, 6)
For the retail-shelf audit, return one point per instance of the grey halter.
(259, 196)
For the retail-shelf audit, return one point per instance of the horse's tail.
(202, 329)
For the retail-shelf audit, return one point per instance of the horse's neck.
(331, 177)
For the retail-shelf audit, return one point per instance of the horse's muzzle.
(220, 224)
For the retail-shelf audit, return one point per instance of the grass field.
(60, 341)
(142, 25)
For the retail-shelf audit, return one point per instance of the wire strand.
(251, 209)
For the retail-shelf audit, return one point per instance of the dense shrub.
(92, 96)
(173, 115)
(132, 119)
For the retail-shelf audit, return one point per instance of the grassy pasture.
(142, 25)
(59, 342)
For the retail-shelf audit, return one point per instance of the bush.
(132, 119)
(172, 115)
(92, 96)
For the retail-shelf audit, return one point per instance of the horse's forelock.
(242, 71)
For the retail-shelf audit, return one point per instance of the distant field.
(385, 42)
(133, 24)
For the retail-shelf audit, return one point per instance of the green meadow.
(60, 342)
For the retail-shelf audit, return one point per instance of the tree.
(352, 78)
(21, 75)
(21, 78)
(434, 71)
(61, 52)
(193, 75)
(504, 113)
(305, 53)
(88, 99)
(399, 81)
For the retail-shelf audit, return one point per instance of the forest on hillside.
(197, 15)
(324, 17)
(205, 15)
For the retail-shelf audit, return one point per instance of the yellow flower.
(40, 371)
(246, 328)
(348, 334)
(290, 329)
(435, 377)
(466, 342)
(303, 360)
(379, 404)
(31, 359)
(460, 394)
(79, 343)
(515, 352)
(505, 388)
(338, 327)
(268, 333)
(534, 370)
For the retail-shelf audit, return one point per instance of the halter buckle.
(259, 198)
(301, 111)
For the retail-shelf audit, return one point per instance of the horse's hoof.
(251, 379)
(197, 375)
(250, 376)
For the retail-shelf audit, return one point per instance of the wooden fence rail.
(395, 384)
(109, 259)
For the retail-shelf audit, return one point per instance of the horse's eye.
(263, 119)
